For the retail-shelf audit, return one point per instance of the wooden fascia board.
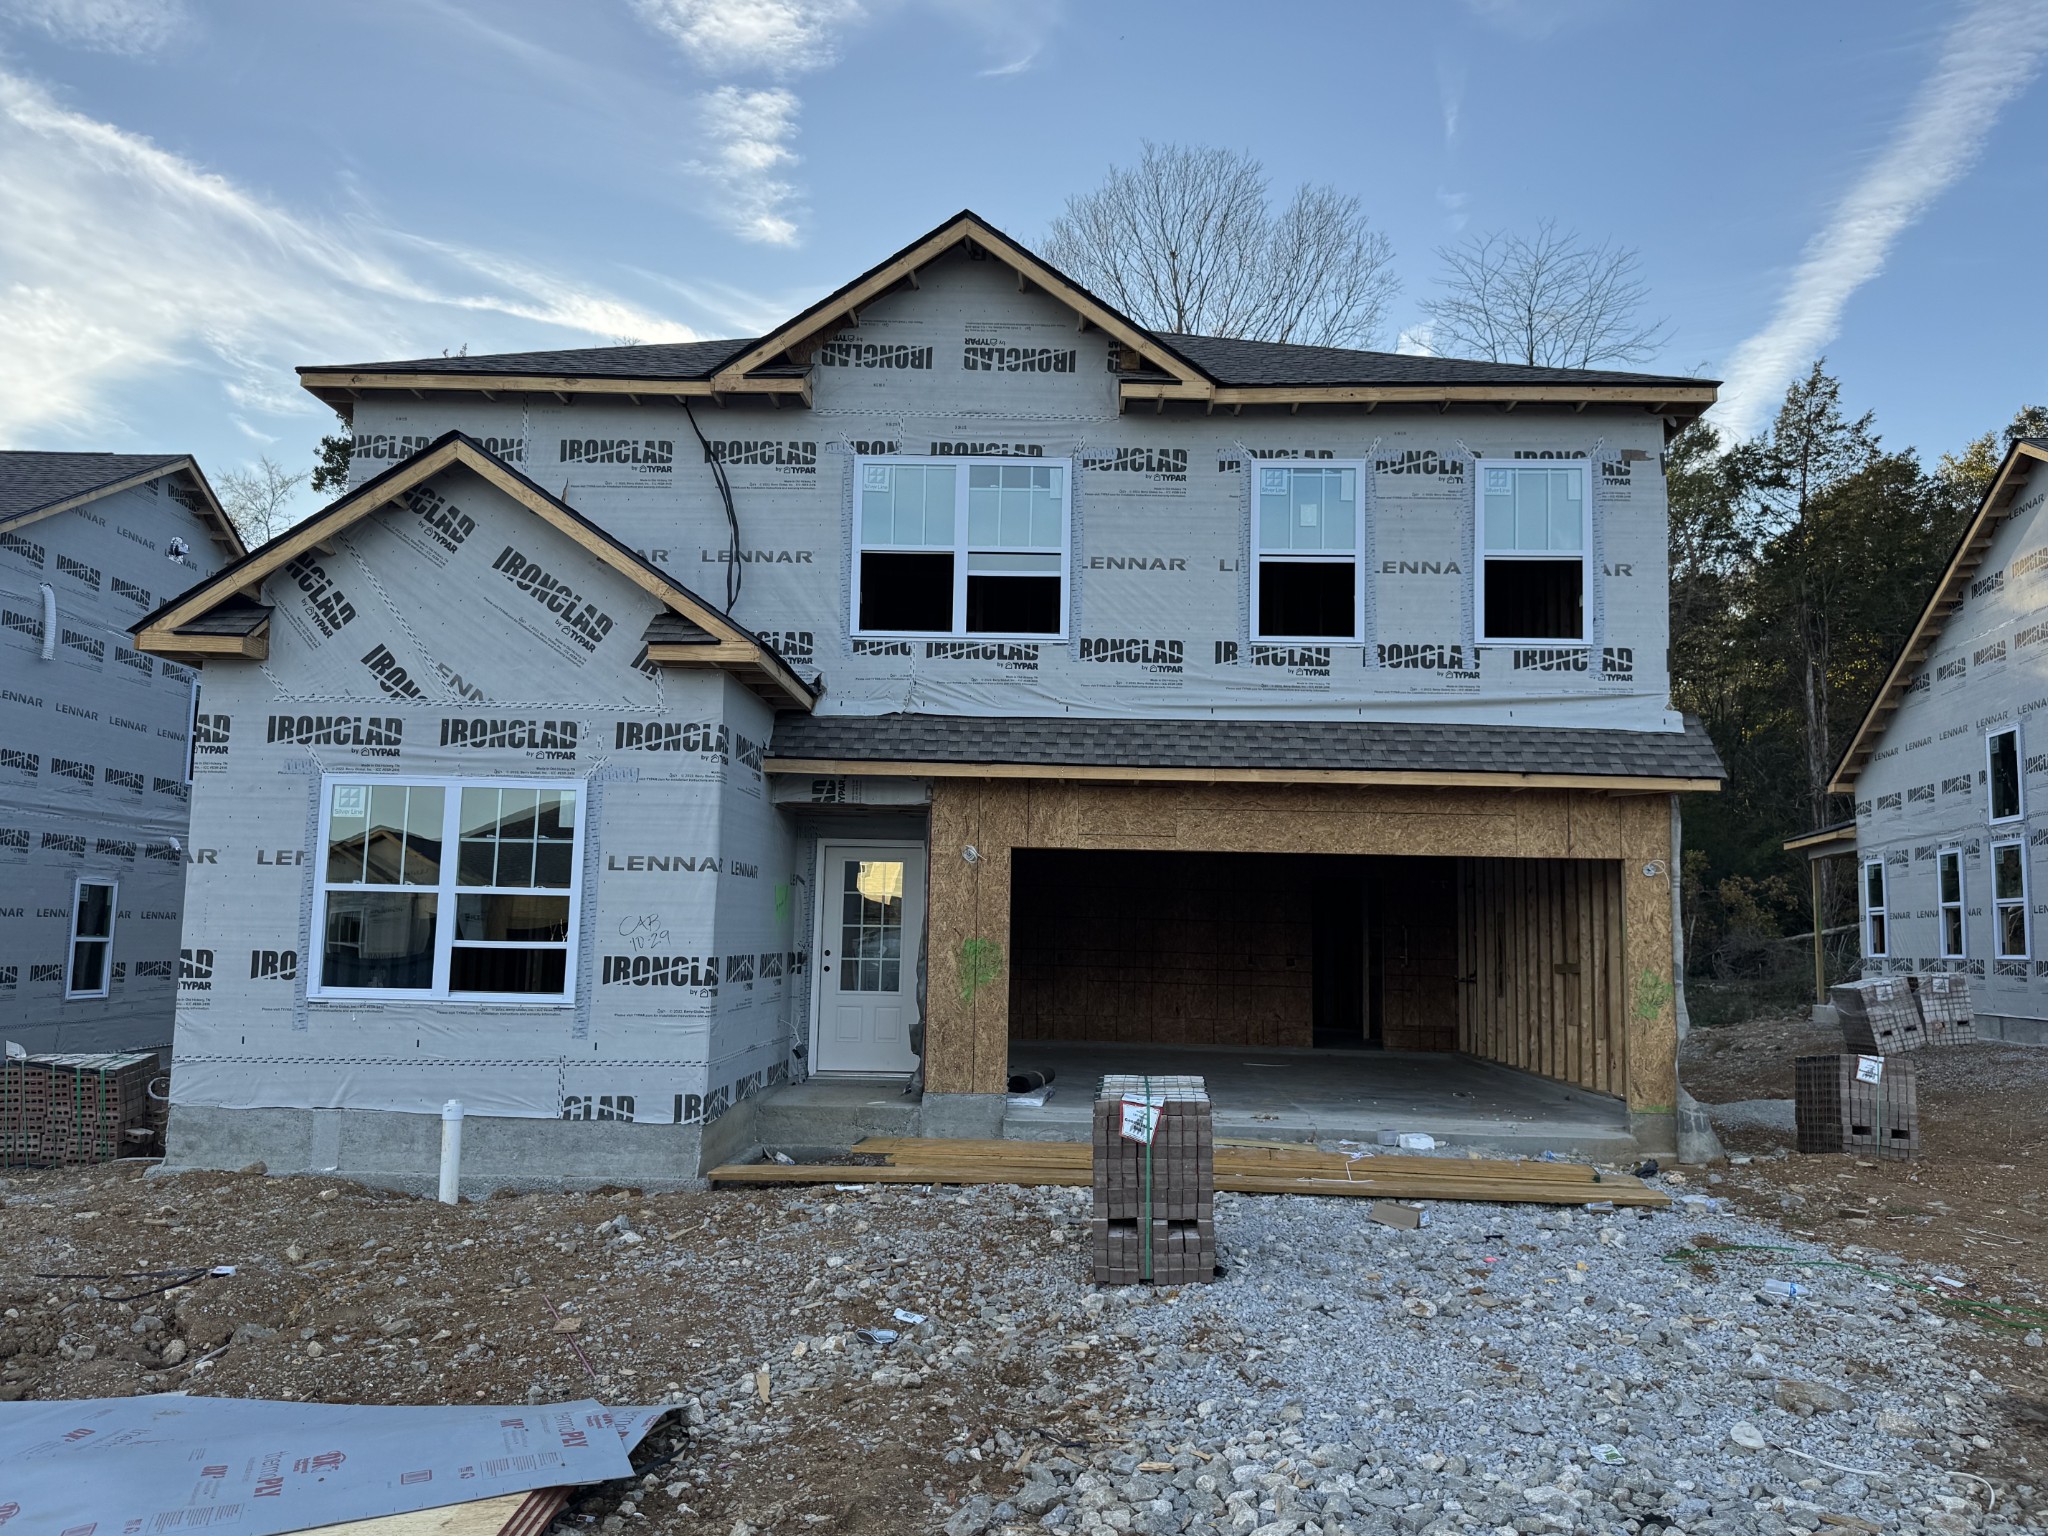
(1941, 604)
(1385, 778)
(159, 641)
(1424, 394)
(832, 310)
(1817, 845)
(533, 383)
(224, 529)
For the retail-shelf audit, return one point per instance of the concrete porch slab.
(829, 1114)
(1310, 1095)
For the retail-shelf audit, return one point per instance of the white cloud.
(106, 26)
(1988, 57)
(748, 134)
(732, 37)
(1416, 341)
(121, 261)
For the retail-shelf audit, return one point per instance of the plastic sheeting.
(254, 1468)
(92, 764)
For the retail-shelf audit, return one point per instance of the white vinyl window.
(1949, 877)
(2004, 793)
(447, 888)
(2009, 900)
(962, 547)
(91, 969)
(1876, 920)
(1306, 528)
(1534, 538)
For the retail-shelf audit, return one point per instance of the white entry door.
(870, 918)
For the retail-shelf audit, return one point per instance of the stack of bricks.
(1945, 1016)
(73, 1108)
(1181, 1217)
(1879, 1015)
(1838, 1111)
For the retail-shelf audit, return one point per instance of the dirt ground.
(344, 1294)
(1970, 1203)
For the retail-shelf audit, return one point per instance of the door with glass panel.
(870, 919)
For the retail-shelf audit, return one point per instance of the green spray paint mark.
(981, 962)
(1653, 992)
(782, 903)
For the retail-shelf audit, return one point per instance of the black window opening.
(906, 594)
(2003, 770)
(1308, 599)
(961, 547)
(1536, 599)
(1012, 605)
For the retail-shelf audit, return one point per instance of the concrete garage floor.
(1308, 1095)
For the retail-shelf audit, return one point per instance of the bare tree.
(1187, 241)
(255, 499)
(1547, 300)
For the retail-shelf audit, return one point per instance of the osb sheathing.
(967, 1047)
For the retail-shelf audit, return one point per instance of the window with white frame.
(1876, 920)
(91, 966)
(962, 547)
(1949, 880)
(2009, 900)
(447, 888)
(1306, 526)
(2002, 774)
(1534, 538)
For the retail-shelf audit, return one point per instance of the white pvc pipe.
(451, 1151)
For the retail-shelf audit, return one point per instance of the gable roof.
(223, 616)
(1159, 366)
(1942, 604)
(35, 485)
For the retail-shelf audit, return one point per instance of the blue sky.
(195, 195)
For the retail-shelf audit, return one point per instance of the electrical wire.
(178, 1277)
(735, 570)
(2002, 1314)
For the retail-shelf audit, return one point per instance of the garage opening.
(1307, 979)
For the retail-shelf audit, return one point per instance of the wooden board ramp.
(1269, 1168)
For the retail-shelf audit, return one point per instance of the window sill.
(1554, 643)
(977, 639)
(429, 1000)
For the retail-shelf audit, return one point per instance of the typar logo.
(1308, 660)
(1554, 659)
(947, 449)
(874, 354)
(79, 571)
(583, 622)
(790, 456)
(139, 596)
(364, 735)
(988, 354)
(796, 645)
(704, 738)
(22, 623)
(1153, 464)
(386, 447)
(210, 736)
(2032, 563)
(1148, 655)
(28, 764)
(85, 645)
(23, 549)
(1426, 658)
(273, 965)
(1618, 663)
(1008, 655)
(440, 519)
(1231, 466)
(135, 661)
(1984, 586)
(652, 456)
(326, 604)
(390, 675)
(74, 770)
(1425, 463)
(698, 973)
(195, 971)
(125, 778)
(548, 740)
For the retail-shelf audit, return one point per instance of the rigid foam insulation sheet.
(170, 1462)
(1924, 790)
(93, 763)
(1160, 560)
(429, 647)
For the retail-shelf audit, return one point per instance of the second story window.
(1533, 539)
(961, 547)
(2002, 773)
(1305, 525)
(1954, 934)
(1876, 919)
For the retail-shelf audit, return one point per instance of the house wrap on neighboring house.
(647, 721)
(1949, 770)
(95, 750)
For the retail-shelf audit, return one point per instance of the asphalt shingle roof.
(664, 360)
(32, 481)
(1369, 746)
(1233, 360)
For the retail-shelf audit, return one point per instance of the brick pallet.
(73, 1107)
(1839, 1112)
(1945, 1014)
(1879, 1015)
(1181, 1216)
